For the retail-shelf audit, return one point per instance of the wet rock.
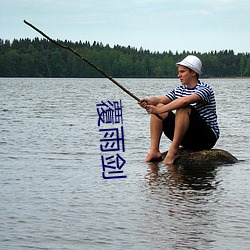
(213, 157)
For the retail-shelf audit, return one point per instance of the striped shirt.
(206, 108)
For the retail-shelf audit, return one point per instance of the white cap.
(191, 62)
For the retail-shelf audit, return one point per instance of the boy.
(194, 125)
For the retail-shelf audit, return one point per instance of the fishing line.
(87, 61)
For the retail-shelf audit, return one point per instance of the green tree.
(247, 69)
(41, 58)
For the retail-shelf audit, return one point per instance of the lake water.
(53, 195)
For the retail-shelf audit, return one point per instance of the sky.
(155, 25)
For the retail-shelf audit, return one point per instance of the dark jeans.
(199, 135)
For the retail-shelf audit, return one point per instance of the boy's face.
(185, 75)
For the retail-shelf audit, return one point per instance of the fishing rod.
(86, 60)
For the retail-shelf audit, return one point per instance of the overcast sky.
(157, 25)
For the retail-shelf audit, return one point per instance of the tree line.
(40, 58)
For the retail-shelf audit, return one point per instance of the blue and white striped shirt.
(206, 108)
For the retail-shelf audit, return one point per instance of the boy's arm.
(176, 104)
(154, 101)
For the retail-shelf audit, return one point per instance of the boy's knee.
(184, 110)
(159, 105)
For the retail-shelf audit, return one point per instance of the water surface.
(53, 195)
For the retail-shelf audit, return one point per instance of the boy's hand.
(143, 103)
(151, 109)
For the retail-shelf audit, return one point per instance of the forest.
(41, 58)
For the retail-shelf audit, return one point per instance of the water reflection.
(183, 177)
(183, 198)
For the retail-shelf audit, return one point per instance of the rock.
(213, 157)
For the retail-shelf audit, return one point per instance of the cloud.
(83, 6)
(225, 5)
(221, 2)
(148, 2)
(152, 24)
